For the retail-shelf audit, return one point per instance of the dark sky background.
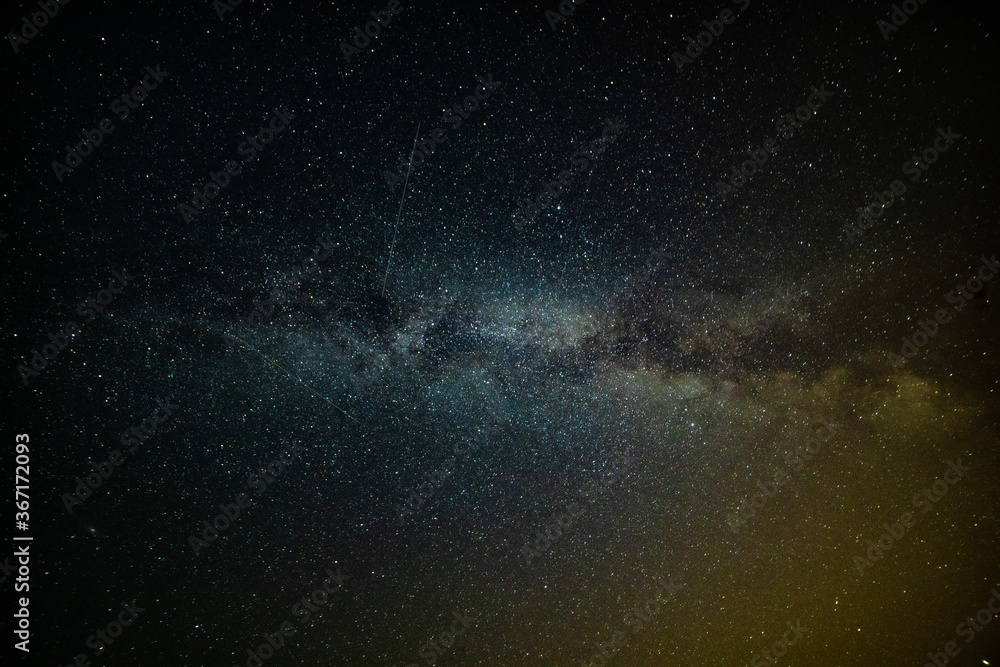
(643, 354)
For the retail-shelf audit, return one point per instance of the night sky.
(640, 334)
